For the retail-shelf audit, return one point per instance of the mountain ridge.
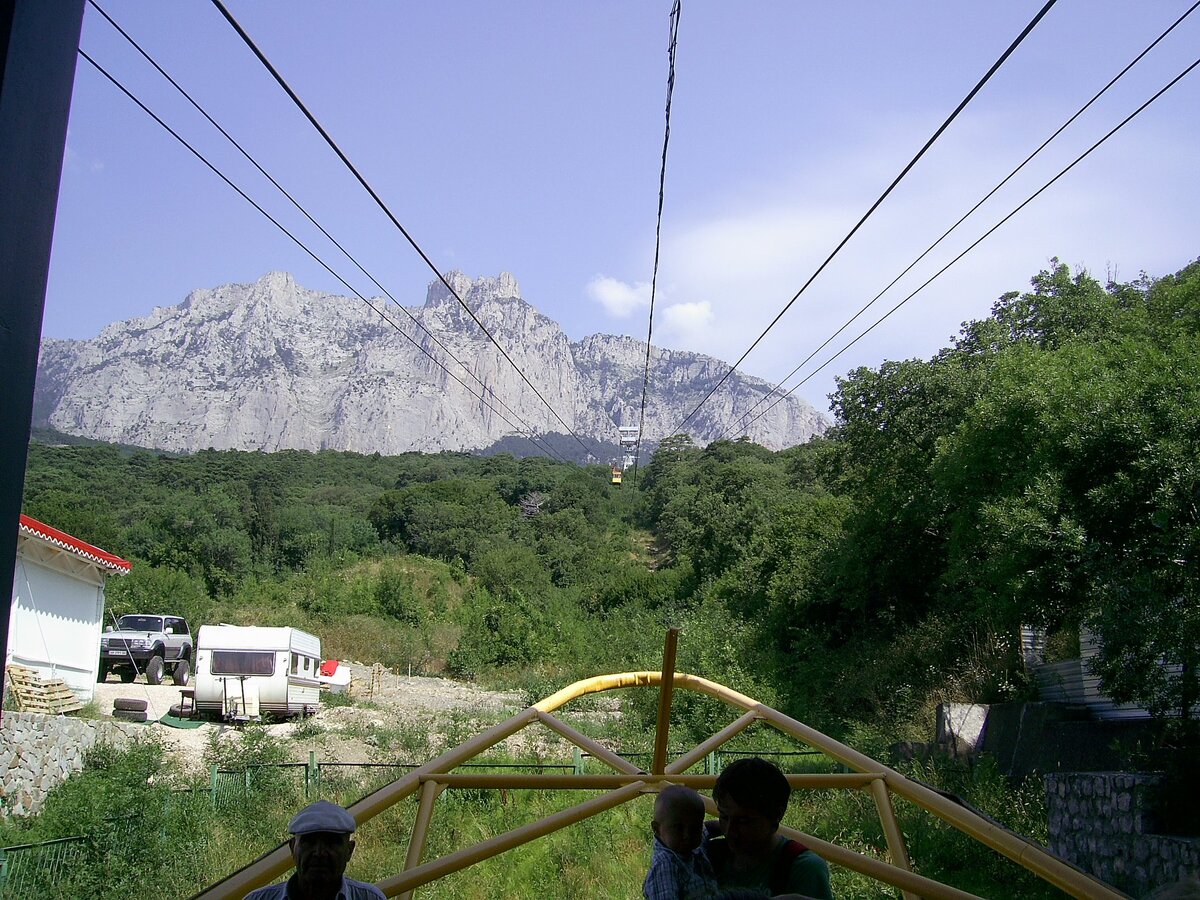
(272, 365)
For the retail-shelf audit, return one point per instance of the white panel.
(53, 626)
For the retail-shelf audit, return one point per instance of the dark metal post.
(38, 42)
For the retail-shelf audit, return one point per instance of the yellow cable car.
(616, 474)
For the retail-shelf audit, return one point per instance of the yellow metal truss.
(628, 782)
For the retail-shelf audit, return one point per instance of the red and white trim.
(33, 528)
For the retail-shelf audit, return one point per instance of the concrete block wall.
(39, 752)
(1102, 822)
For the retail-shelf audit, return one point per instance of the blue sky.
(525, 137)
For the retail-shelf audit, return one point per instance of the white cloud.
(687, 324)
(750, 258)
(617, 297)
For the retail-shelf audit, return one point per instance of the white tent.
(58, 604)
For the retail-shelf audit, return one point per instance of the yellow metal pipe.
(416, 841)
(376, 802)
(1060, 874)
(891, 829)
(878, 869)
(595, 685)
(271, 865)
(730, 731)
(867, 865)
(494, 846)
(1027, 854)
(583, 742)
(814, 782)
(666, 691)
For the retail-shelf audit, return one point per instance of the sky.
(526, 137)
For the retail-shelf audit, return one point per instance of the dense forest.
(1042, 470)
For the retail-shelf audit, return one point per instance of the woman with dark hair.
(750, 855)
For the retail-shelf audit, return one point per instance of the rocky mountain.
(273, 365)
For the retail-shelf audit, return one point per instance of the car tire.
(102, 675)
(154, 670)
(127, 675)
(179, 712)
(182, 673)
(130, 715)
(130, 704)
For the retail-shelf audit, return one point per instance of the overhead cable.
(379, 312)
(662, 185)
(929, 143)
(731, 428)
(985, 235)
(304, 211)
(383, 206)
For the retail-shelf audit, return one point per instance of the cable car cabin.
(243, 672)
(616, 475)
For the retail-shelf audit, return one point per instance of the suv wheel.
(182, 673)
(127, 675)
(102, 675)
(154, 670)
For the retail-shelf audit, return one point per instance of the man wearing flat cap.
(321, 847)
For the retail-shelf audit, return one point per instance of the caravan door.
(242, 673)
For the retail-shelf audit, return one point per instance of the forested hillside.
(1041, 470)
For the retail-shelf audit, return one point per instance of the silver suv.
(147, 643)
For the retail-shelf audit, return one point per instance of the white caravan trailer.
(244, 672)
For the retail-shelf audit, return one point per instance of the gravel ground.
(343, 733)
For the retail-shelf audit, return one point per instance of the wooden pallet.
(36, 694)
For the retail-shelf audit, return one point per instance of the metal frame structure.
(628, 782)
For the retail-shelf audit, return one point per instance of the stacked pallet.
(42, 695)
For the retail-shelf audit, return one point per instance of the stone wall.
(38, 752)
(1102, 822)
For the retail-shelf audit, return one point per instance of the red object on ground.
(329, 667)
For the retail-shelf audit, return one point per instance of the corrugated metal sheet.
(1072, 681)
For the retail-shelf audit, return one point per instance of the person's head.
(679, 818)
(751, 796)
(321, 846)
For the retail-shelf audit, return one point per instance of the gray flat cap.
(322, 816)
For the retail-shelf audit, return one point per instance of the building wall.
(39, 752)
(55, 624)
(1101, 822)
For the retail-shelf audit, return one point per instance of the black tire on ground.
(179, 712)
(182, 673)
(127, 675)
(130, 715)
(154, 670)
(130, 704)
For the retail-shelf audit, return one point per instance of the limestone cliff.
(273, 365)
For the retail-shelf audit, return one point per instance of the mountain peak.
(501, 287)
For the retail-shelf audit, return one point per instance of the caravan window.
(243, 662)
(295, 664)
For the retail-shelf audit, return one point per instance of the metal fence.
(32, 870)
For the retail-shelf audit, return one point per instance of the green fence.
(230, 787)
(32, 870)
